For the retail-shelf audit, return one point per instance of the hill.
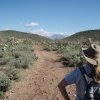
(93, 34)
(24, 35)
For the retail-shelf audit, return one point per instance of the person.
(92, 67)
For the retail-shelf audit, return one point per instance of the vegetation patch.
(13, 73)
(15, 54)
(5, 84)
(71, 51)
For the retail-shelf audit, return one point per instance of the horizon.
(48, 17)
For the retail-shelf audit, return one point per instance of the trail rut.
(40, 82)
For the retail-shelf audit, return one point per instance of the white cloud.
(41, 32)
(32, 24)
(62, 33)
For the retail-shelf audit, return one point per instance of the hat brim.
(90, 60)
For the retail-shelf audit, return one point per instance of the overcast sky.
(50, 16)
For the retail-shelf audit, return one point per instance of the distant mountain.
(18, 34)
(93, 34)
(57, 36)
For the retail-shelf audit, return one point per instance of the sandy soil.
(40, 82)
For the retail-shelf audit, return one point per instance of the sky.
(46, 17)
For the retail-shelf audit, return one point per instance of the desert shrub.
(3, 61)
(13, 73)
(5, 82)
(70, 51)
(16, 54)
(1, 54)
(72, 54)
(17, 64)
(23, 47)
(19, 56)
(6, 58)
(1, 95)
(24, 61)
(51, 47)
(27, 41)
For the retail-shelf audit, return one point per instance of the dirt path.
(40, 82)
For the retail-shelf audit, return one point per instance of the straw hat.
(92, 54)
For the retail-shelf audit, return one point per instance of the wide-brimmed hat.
(92, 54)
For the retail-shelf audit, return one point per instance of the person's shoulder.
(88, 68)
(76, 71)
(74, 76)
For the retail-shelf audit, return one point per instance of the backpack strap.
(84, 74)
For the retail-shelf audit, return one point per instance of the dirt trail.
(40, 82)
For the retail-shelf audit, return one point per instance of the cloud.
(52, 35)
(62, 33)
(41, 32)
(32, 24)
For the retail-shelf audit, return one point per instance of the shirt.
(75, 77)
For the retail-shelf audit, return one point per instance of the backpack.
(92, 91)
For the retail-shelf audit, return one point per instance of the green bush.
(1, 95)
(16, 54)
(51, 47)
(13, 73)
(70, 51)
(3, 61)
(16, 63)
(5, 83)
(1, 54)
(24, 61)
(20, 55)
(73, 56)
